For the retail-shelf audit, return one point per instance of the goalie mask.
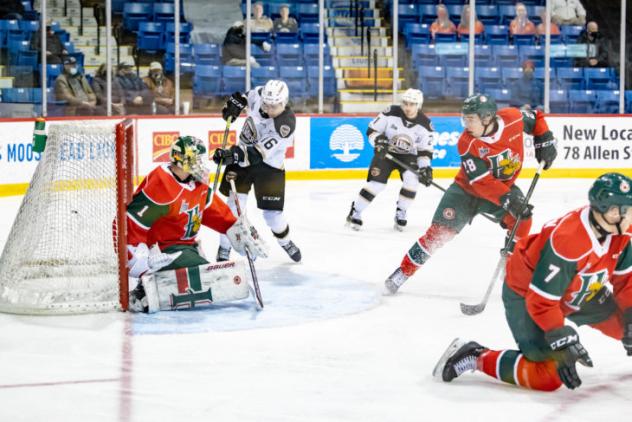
(190, 154)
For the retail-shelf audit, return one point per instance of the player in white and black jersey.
(258, 159)
(406, 133)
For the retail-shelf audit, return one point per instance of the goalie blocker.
(189, 287)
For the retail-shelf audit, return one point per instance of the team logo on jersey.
(504, 165)
(284, 131)
(591, 284)
(194, 220)
(346, 138)
(161, 145)
(401, 144)
(449, 213)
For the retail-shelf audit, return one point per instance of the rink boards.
(336, 146)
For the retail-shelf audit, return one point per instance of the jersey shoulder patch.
(161, 187)
(285, 123)
(393, 110)
(569, 239)
(424, 121)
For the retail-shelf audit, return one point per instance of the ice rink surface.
(328, 346)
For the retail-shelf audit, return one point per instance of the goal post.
(66, 251)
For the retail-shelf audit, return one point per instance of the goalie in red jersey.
(492, 151)
(579, 267)
(166, 213)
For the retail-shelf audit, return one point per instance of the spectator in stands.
(162, 87)
(285, 23)
(464, 25)
(73, 87)
(541, 29)
(55, 51)
(234, 46)
(597, 47)
(259, 22)
(11, 9)
(521, 24)
(568, 12)
(138, 97)
(526, 92)
(99, 86)
(443, 24)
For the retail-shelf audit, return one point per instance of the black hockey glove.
(381, 144)
(234, 106)
(514, 203)
(425, 175)
(567, 350)
(226, 156)
(627, 331)
(545, 149)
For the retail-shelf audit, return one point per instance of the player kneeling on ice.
(579, 267)
(166, 211)
(404, 132)
(492, 151)
(259, 158)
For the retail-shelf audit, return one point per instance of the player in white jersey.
(258, 158)
(404, 132)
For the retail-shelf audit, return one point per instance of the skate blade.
(398, 227)
(352, 226)
(456, 344)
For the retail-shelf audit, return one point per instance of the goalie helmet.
(413, 96)
(275, 92)
(190, 154)
(611, 190)
(480, 104)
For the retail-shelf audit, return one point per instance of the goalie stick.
(436, 185)
(251, 264)
(480, 307)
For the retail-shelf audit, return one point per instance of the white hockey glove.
(142, 260)
(243, 236)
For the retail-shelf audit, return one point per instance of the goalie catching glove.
(244, 237)
(141, 260)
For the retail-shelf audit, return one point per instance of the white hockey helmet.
(413, 96)
(275, 92)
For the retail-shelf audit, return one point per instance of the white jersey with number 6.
(271, 137)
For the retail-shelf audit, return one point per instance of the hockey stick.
(480, 307)
(436, 185)
(219, 165)
(251, 264)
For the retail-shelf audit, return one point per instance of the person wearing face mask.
(521, 25)
(578, 269)
(138, 97)
(73, 87)
(597, 47)
(568, 12)
(54, 48)
(526, 92)
(99, 85)
(162, 87)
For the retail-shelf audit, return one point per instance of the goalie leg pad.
(194, 286)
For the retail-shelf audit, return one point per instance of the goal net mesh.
(60, 256)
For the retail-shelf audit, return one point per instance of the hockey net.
(66, 252)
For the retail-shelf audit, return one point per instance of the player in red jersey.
(492, 151)
(579, 267)
(169, 207)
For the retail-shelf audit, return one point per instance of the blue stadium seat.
(264, 58)
(539, 74)
(628, 101)
(581, 101)
(289, 55)
(488, 78)
(457, 78)
(417, 33)
(310, 54)
(424, 54)
(570, 78)
(185, 32)
(407, 13)
(497, 34)
(506, 13)
(511, 74)
(599, 78)
(570, 33)
(233, 79)
(261, 75)
(28, 58)
(29, 26)
(186, 58)
(524, 39)
(134, 13)
(607, 102)
(294, 77)
(309, 32)
(506, 55)
(454, 10)
(164, 12)
(329, 81)
(478, 38)
(206, 54)
(487, 14)
(150, 36)
(286, 38)
(432, 80)
(453, 60)
(16, 95)
(439, 38)
(502, 97)
(558, 101)
(428, 13)
(207, 80)
(308, 12)
(52, 72)
(535, 53)
(483, 56)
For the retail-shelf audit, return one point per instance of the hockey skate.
(353, 219)
(394, 282)
(459, 357)
(138, 299)
(400, 219)
(223, 254)
(293, 251)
